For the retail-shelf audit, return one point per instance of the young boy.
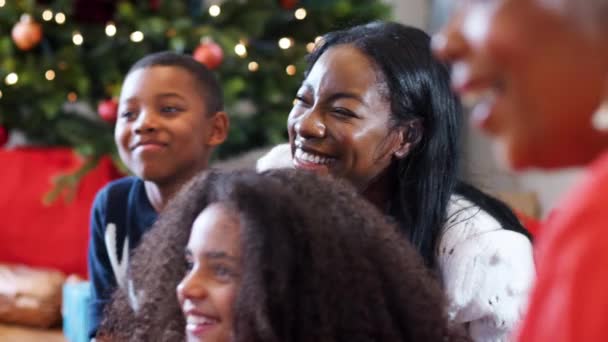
(170, 119)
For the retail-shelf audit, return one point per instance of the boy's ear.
(220, 124)
(409, 137)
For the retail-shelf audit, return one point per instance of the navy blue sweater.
(121, 214)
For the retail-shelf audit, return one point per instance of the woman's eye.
(300, 100)
(343, 112)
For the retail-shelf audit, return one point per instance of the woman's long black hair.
(419, 89)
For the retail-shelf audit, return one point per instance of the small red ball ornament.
(3, 136)
(210, 54)
(108, 110)
(288, 4)
(27, 33)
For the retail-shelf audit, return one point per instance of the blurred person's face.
(531, 75)
(207, 292)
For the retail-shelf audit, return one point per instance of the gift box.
(76, 296)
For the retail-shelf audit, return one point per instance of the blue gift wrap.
(76, 296)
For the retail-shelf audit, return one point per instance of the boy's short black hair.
(205, 79)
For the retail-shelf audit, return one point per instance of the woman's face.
(207, 292)
(532, 77)
(339, 123)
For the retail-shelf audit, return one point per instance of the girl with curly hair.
(278, 256)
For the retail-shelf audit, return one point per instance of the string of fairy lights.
(240, 49)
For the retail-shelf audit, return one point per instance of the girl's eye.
(170, 109)
(222, 272)
(189, 265)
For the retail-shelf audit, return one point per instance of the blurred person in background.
(536, 75)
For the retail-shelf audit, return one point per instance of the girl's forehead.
(216, 227)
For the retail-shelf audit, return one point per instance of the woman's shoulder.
(486, 270)
(466, 220)
(470, 231)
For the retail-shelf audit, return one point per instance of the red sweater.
(570, 300)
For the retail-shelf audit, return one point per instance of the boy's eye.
(127, 114)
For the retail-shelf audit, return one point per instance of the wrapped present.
(76, 296)
(30, 296)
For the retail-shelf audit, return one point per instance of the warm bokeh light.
(300, 14)
(253, 66)
(60, 18)
(240, 50)
(110, 30)
(137, 36)
(47, 15)
(285, 43)
(214, 10)
(49, 75)
(11, 78)
(291, 70)
(77, 38)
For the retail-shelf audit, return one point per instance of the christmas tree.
(63, 62)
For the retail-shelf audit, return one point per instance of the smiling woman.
(273, 257)
(376, 109)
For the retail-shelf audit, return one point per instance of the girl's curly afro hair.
(319, 264)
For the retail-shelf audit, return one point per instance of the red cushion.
(36, 234)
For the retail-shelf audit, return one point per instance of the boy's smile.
(163, 130)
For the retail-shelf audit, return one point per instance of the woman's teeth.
(473, 98)
(313, 158)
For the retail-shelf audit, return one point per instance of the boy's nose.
(145, 123)
(310, 125)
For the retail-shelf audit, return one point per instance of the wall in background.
(412, 12)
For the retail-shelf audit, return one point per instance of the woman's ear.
(409, 137)
(220, 124)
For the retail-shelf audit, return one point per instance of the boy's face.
(164, 133)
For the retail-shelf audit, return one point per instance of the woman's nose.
(310, 125)
(449, 44)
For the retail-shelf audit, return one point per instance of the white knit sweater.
(486, 270)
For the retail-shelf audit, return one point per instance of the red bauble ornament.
(154, 4)
(108, 110)
(27, 33)
(288, 4)
(210, 54)
(3, 136)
